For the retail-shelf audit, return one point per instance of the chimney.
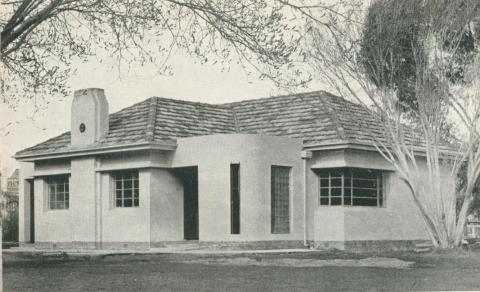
(89, 116)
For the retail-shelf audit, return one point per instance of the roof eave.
(95, 150)
(418, 151)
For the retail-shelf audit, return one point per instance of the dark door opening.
(189, 178)
(32, 210)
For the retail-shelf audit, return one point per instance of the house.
(283, 171)
(472, 227)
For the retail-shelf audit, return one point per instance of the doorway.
(189, 179)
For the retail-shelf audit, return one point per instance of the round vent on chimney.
(82, 127)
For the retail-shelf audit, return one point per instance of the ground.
(458, 270)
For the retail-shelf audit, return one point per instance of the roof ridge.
(152, 117)
(271, 97)
(333, 118)
(235, 120)
(191, 102)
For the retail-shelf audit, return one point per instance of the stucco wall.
(397, 220)
(166, 206)
(76, 224)
(26, 170)
(255, 153)
(123, 225)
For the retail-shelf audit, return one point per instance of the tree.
(40, 39)
(375, 72)
(395, 34)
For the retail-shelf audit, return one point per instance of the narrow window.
(126, 189)
(58, 192)
(280, 196)
(235, 198)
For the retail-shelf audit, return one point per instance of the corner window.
(280, 192)
(351, 187)
(126, 189)
(58, 192)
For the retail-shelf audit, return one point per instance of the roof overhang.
(418, 151)
(96, 150)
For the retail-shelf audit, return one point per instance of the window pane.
(66, 205)
(135, 183)
(52, 205)
(135, 193)
(364, 202)
(51, 189)
(347, 201)
(127, 184)
(365, 183)
(365, 193)
(280, 199)
(127, 203)
(118, 185)
(118, 194)
(336, 201)
(323, 201)
(118, 203)
(336, 182)
(335, 192)
(127, 193)
(135, 202)
(60, 197)
(324, 182)
(324, 192)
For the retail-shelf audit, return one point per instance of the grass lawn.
(457, 270)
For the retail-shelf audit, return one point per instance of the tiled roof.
(315, 117)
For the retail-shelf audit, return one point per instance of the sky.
(21, 128)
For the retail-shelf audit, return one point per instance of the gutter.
(96, 150)
(418, 151)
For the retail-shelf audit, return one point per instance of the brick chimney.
(89, 116)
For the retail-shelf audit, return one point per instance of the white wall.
(255, 153)
(166, 206)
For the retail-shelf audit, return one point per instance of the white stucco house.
(282, 171)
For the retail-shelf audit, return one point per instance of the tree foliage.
(392, 30)
(40, 39)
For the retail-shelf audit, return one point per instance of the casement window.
(351, 187)
(235, 198)
(126, 189)
(58, 192)
(280, 199)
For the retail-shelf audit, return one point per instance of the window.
(351, 187)
(58, 192)
(280, 191)
(126, 189)
(235, 198)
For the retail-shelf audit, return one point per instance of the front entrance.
(189, 178)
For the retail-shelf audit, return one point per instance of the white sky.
(190, 81)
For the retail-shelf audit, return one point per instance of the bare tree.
(40, 39)
(414, 139)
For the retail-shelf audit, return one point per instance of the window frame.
(56, 181)
(381, 187)
(135, 196)
(274, 228)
